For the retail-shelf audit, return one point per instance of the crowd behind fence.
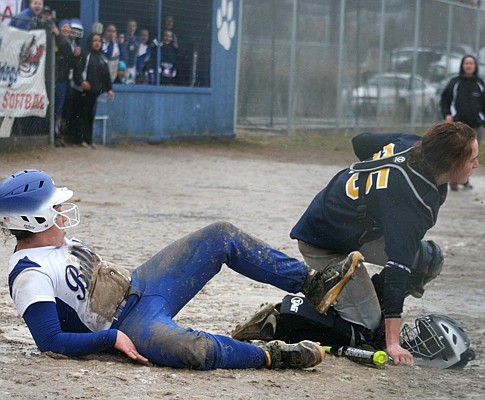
(307, 64)
(174, 35)
(351, 63)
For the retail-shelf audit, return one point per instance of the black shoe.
(261, 326)
(305, 354)
(58, 142)
(322, 288)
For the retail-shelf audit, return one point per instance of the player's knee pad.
(429, 260)
(427, 266)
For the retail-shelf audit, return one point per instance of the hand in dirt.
(399, 355)
(125, 345)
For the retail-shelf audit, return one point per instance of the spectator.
(144, 56)
(47, 15)
(113, 51)
(121, 73)
(77, 33)
(64, 66)
(463, 99)
(27, 18)
(168, 25)
(70, 112)
(131, 43)
(91, 76)
(168, 59)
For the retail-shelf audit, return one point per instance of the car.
(397, 93)
(446, 65)
(402, 59)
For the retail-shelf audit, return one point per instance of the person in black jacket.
(64, 65)
(463, 100)
(91, 76)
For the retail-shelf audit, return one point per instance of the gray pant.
(357, 303)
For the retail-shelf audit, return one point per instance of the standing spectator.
(132, 45)
(168, 25)
(47, 15)
(121, 74)
(463, 100)
(27, 18)
(92, 78)
(113, 51)
(70, 111)
(64, 66)
(169, 59)
(144, 53)
(77, 33)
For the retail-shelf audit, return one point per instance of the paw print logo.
(225, 23)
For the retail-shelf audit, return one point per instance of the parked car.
(446, 65)
(397, 93)
(402, 59)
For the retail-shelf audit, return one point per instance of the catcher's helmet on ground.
(437, 341)
(27, 200)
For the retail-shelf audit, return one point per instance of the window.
(185, 65)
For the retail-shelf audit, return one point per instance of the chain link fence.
(326, 64)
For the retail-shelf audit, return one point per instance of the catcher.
(383, 208)
(76, 304)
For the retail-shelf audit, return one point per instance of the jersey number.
(381, 176)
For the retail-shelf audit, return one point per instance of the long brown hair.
(445, 148)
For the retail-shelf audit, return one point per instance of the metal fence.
(307, 64)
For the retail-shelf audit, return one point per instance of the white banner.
(9, 8)
(22, 72)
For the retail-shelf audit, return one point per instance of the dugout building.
(200, 100)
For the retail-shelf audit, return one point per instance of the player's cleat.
(323, 287)
(261, 326)
(280, 355)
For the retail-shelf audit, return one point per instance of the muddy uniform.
(60, 294)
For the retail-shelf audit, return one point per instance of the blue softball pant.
(164, 284)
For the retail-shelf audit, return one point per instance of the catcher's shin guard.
(261, 326)
(322, 288)
(305, 354)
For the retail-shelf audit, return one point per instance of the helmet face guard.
(77, 28)
(437, 341)
(29, 201)
(70, 212)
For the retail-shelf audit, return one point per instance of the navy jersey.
(356, 207)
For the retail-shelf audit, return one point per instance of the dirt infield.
(136, 199)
